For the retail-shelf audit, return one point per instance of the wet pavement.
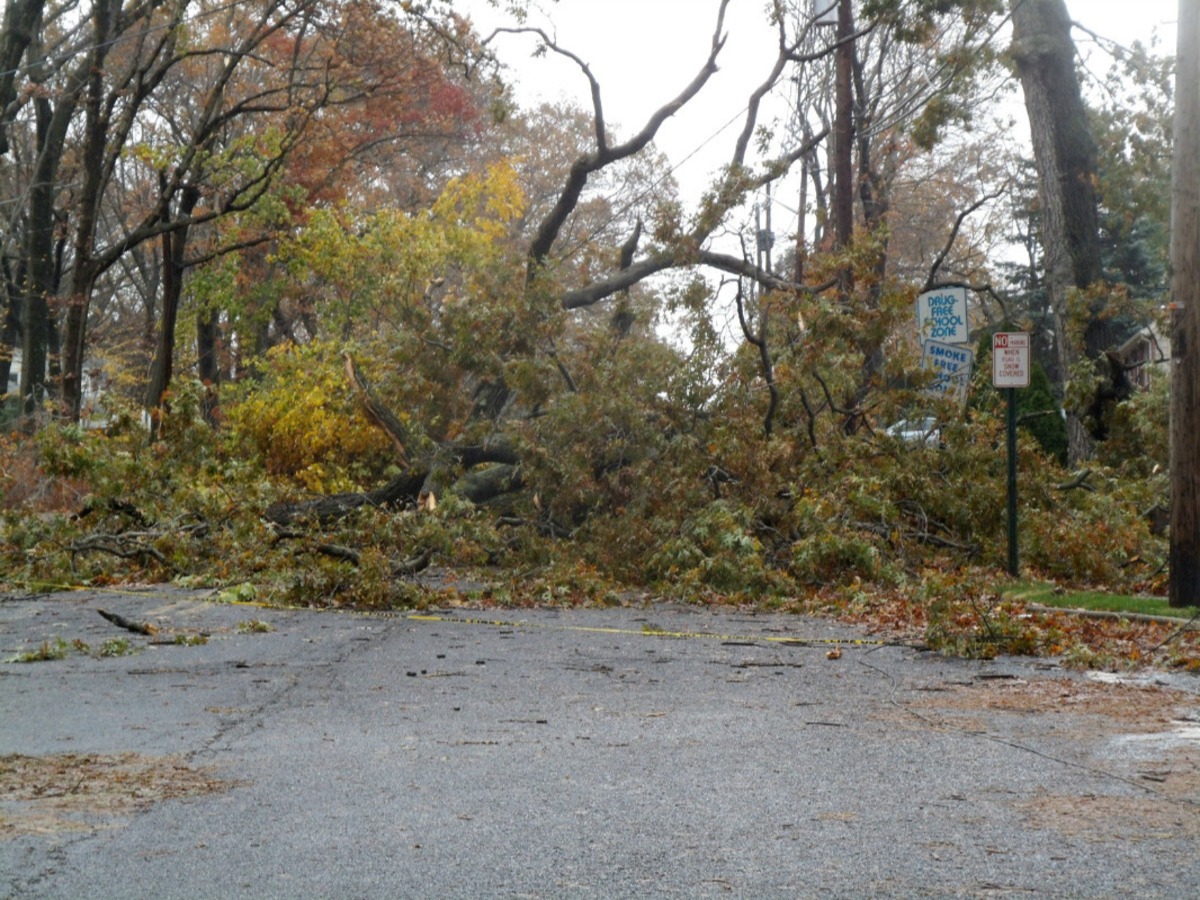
(632, 752)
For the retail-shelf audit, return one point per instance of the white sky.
(643, 52)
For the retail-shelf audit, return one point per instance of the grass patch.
(49, 650)
(1048, 594)
(61, 649)
(254, 626)
(116, 647)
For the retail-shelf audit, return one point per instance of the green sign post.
(1011, 396)
(1010, 370)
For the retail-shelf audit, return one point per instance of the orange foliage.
(25, 486)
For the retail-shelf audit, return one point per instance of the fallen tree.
(482, 469)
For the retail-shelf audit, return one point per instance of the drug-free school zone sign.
(942, 316)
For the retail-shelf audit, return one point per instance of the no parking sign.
(1010, 359)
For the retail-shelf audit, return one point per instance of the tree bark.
(39, 282)
(174, 244)
(328, 509)
(21, 20)
(207, 364)
(843, 142)
(10, 328)
(85, 269)
(1185, 315)
(1065, 154)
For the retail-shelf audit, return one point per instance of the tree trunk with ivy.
(1065, 154)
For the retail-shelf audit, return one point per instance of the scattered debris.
(86, 792)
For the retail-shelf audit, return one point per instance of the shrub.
(303, 421)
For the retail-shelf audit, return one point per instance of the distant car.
(925, 432)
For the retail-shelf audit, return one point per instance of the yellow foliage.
(389, 257)
(304, 421)
(482, 207)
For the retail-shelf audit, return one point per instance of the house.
(95, 384)
(1145, 353)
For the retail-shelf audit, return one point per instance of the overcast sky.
(643, 52)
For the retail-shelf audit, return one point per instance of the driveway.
(633, 752)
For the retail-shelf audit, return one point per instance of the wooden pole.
(1185, 315)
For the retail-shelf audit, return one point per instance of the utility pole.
(843, 130)
(1185, 315)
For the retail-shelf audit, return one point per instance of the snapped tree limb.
(378, 412)
(128, 624)
(403, 487)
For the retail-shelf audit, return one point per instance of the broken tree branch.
(377, 411)
(125, 546)
(336, 506)
(604, 154)
(129, 625)
(416, 563)
(1078, 481)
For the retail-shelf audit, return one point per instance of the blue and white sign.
(942, 316)
(952, 365)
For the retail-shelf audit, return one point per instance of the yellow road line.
(645, 631)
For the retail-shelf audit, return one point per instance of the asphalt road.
(581, 753)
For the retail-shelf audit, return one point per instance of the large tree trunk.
(875, 179)
(174, 244)
(21, 21)
(843, 141)
(1065, 154)
(85, 270)
(10, 322)
(1185, 316)
(38, 283)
